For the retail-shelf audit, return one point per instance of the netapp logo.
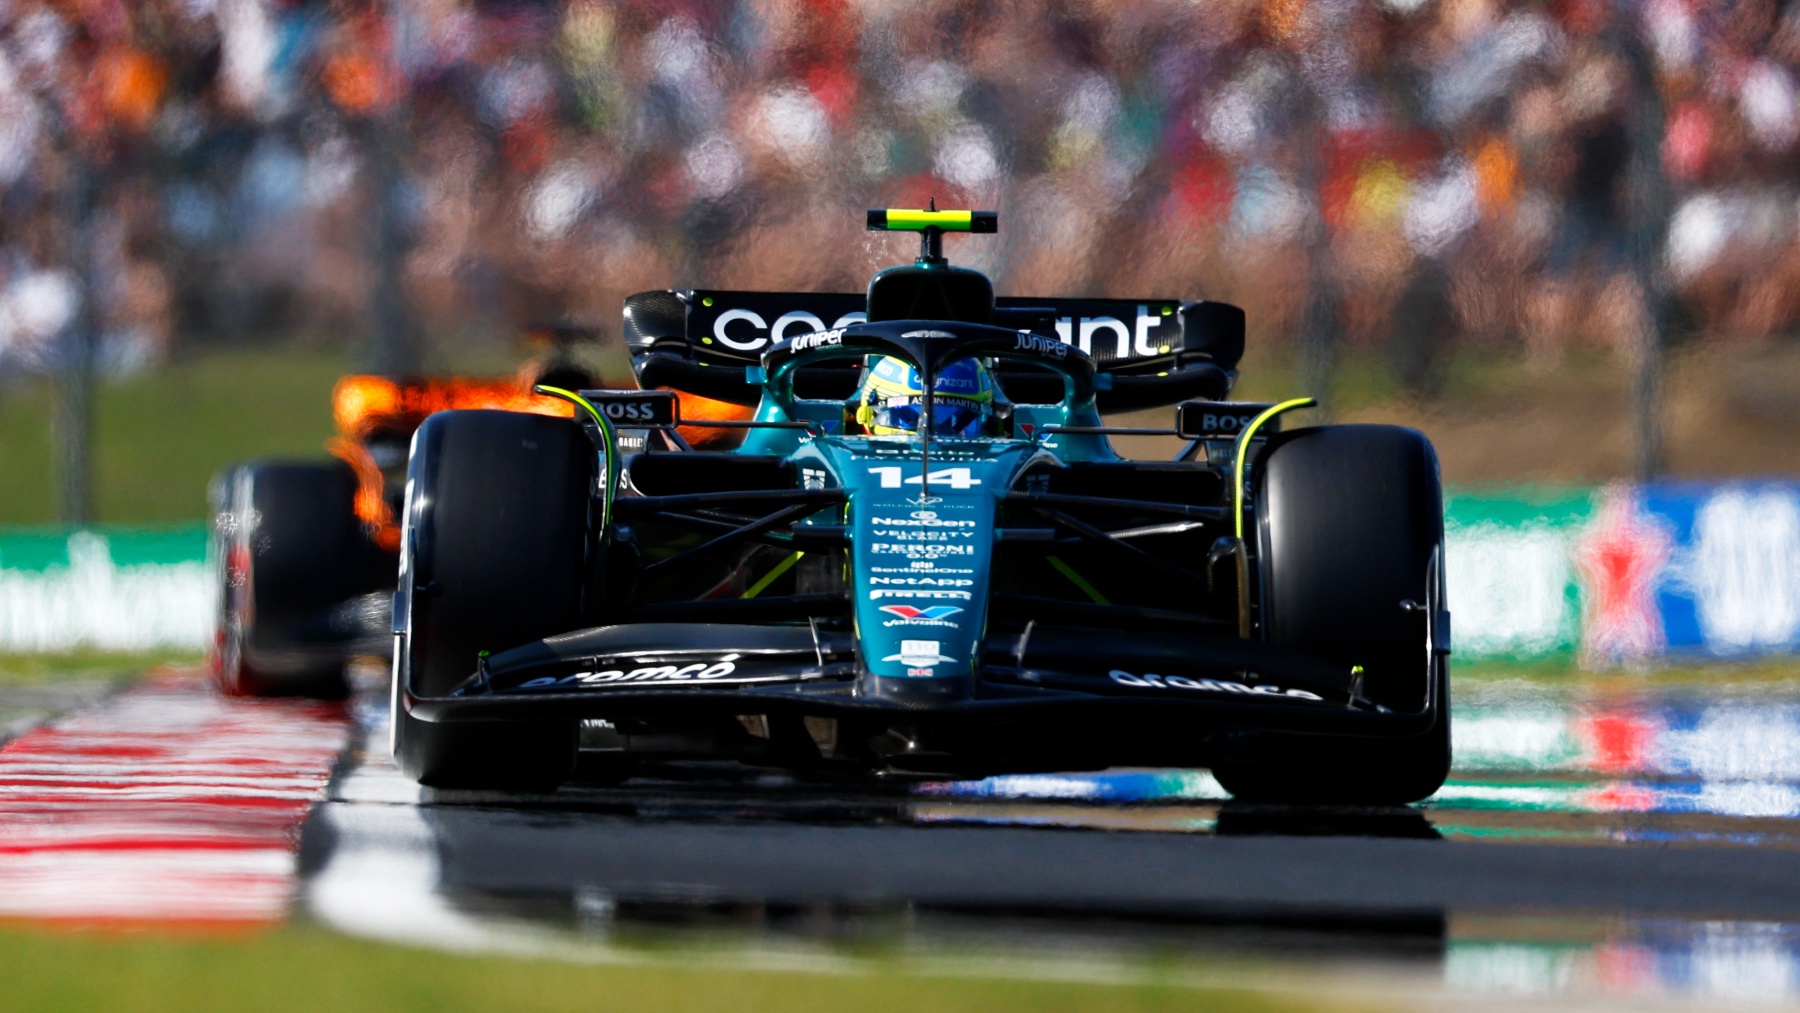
(748, 331)
(926, 581)
(1153, 681)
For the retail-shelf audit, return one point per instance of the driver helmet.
(893, 398)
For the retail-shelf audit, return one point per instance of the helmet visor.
(950, 416)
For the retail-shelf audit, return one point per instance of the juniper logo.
(808, 342)
(1049, 348)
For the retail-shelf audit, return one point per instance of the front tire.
(494, 555)
(1350, 524)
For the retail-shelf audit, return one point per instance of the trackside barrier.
(1627, 573)
(1611, 576)
(115, 589)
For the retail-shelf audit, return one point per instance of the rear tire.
(1350, 519)
(494, 555)
(287, 549)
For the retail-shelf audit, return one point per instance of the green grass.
(303, 968)
(111, 666)
(160, 435)
(1563, 673)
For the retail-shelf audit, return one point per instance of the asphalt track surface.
(1626, 844)
(1634, 844)
(783, 843)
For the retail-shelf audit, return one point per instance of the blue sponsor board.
(1730, 581)
(1686, 568)
(1628, 573)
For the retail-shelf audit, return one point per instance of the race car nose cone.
(914, 692)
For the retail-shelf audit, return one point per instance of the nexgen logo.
(922, 522)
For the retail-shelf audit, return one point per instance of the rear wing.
(1124, 336)
(1149, 352)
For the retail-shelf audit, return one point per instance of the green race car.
(925, 558)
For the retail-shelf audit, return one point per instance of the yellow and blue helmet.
(893, 399)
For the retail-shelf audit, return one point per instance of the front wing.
(674, 670)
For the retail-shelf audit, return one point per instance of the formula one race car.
(925, 559)
(305, 552)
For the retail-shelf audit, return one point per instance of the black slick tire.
(287, 548)
(1349, 523)
(494, 555)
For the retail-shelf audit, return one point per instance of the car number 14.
(953, 478)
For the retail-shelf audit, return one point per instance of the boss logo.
(1203, 419)
(629, 411)
(1218, 423)
(639, 409)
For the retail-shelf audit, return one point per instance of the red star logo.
(1619, 558)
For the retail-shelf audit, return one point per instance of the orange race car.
(306, 552)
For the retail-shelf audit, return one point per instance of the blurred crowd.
(1532, 175)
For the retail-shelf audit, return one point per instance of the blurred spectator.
(1446, 170)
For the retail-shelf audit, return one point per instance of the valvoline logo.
(912, 612)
